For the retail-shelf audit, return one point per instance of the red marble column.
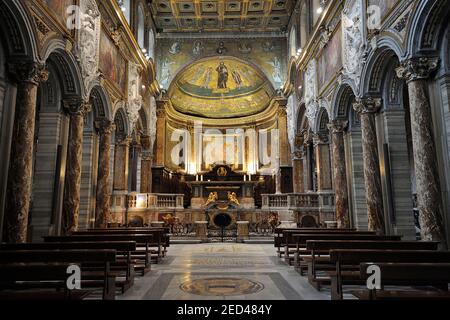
(366, 108)
(105, 129)
(337, 128)
(77, 110)
(416, 71)
(121, 161)
(322, 150)
(146, 164)
(28, 77)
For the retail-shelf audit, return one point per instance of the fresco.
(112, 64)
(266, 53)
(220, 87)
(59, 7)
(385, 6)
(330, 60)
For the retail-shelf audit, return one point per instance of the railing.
(155, 201)
(294, 201)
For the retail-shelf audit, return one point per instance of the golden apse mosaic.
(220, 87)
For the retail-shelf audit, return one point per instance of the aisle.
(222, 271)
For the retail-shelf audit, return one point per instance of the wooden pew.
(156, 246)
(33, 269)
(123, 264)
(346, 260)
(141, 257)
(427, 274)
(300, 240)
(319, 258)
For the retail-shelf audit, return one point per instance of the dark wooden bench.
(25, 269)
(158, 247)
(346, 260)
(123, 264)
(427, 274)
(300, 240)
(141, 256)
(318, 256)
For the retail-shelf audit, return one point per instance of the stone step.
(185, 241)
(259, 241)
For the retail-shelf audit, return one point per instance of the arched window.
(151, 44)
(125, 5)
(292, 42)
(141, 27)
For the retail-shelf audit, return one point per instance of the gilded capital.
(367, 105)
(417, 68)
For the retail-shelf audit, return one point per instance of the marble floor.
(223, 271)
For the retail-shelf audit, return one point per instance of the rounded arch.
(321, 121)
(376, 66)
(122, 123)
(428, 27)
(143, 120)
(101, 103)
(18, 34)
(67, 68)
(342, 101)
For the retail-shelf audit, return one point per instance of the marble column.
(105, 129)
(284, 147)
(337, 128)
(322, 150)
(416, 71)
(19, 187)
(77, 111)
(160, 133)
(146, 172)
(366, 108)
(298, 172)
(121, 160)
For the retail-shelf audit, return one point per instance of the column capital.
(29, 72)
(417, 68)
(337, 126)
(105, 126)
(367, 105)
(147, 156)
(77, 107)
(297, 155)
(125, 141)
(320, 138)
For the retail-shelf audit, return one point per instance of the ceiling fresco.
(222, 15)
(220, 87)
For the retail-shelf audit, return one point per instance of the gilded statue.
(213, 197)
(233, 198)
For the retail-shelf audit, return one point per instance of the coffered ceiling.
(222, 15)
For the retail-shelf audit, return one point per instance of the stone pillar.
(105, 129)
(77, 110)
(337, 128)
(160, 133)
(322, 150)
(366, 108)
(121, 160)
(19, 187)
(298, 171)
(146, 172)
(284, 147)
(416, 71)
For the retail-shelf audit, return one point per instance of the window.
(141, 27)
(125, 5)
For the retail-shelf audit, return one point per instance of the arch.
(341, 101)
(376, 67)
(68, 70)
(18, 32)
(101, 103)
(427, 27)
(143, 120)
(121, 121)
(321, 121)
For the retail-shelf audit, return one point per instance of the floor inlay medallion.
(221, 286)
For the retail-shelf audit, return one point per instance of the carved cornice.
(418, 68)
(367, 105)
(28, 72)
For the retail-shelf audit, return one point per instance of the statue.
(223, 76)
(213, 197)
(233, 198)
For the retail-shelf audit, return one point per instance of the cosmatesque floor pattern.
(222, 271)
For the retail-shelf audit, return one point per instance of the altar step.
(259, 240)
(185, 241)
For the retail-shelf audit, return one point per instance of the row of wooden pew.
(345, 258)
(109, 260)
